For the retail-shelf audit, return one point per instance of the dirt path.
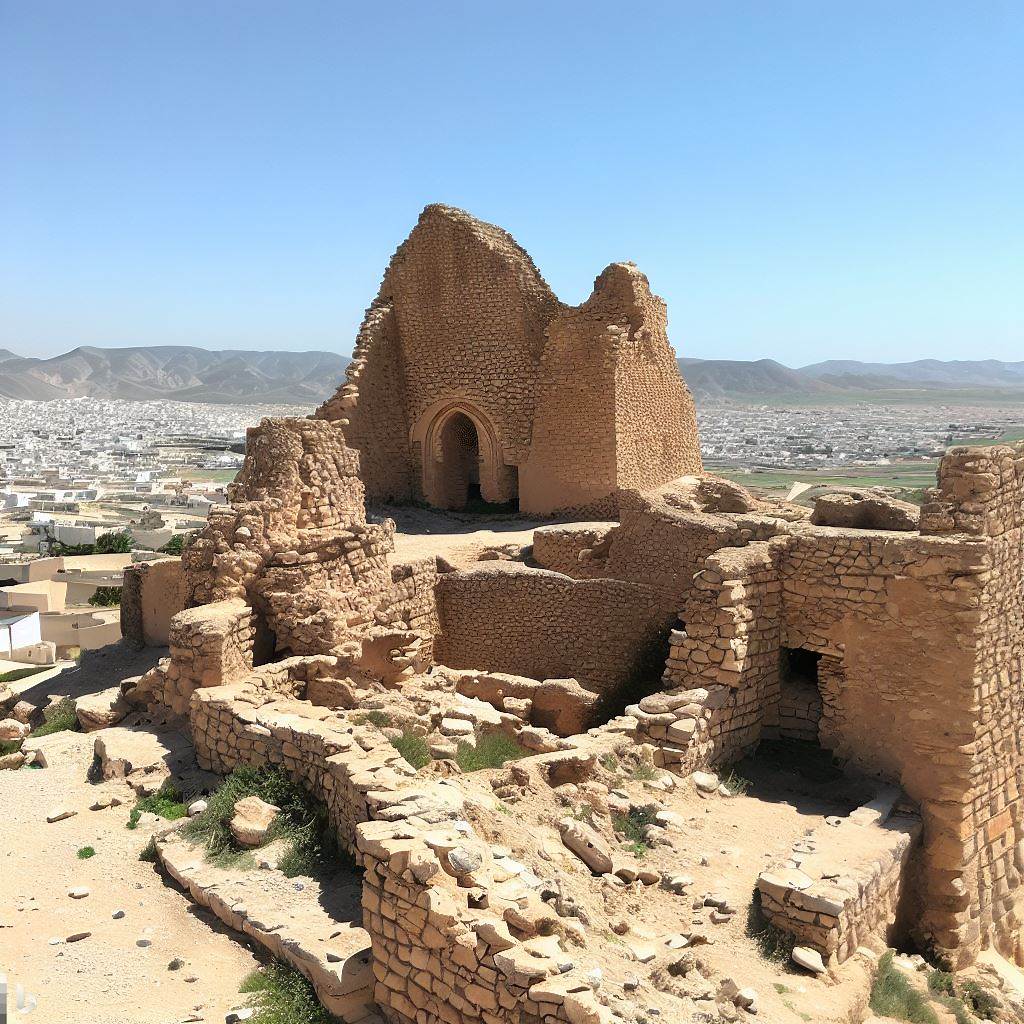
(107, 977)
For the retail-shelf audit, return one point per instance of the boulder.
(587, 844)
(864, 510)
(101, 710)
(809, 959)
(252, 820)
(12, 729)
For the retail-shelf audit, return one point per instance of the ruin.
(470, 380)
(686, 626)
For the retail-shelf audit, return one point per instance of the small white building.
(17, 630)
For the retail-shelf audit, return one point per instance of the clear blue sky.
(799, 180)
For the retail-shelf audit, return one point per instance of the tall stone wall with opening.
(570, 404)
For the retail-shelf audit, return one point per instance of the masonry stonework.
(683, 623)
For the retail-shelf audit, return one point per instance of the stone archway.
(461, 457)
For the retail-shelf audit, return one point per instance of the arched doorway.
(459, 470)
(462, 458)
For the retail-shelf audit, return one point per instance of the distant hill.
(174, 372)
(847, 380)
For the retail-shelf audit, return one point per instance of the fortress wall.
(655, 418)
(245, 724)
(470, 309)
(578, 550)
(151, 595)
(981, 490)
(895, 617)
(370, 408)
(536, 623)
(437, 958)
(572, 461)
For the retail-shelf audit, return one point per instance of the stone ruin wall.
(835, 900)
(536, 623)
(917, 632)
(570, 403)
(370, 406)
(981, 493)
(151, 595)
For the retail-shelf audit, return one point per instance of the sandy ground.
(423, 532)
(107, 977)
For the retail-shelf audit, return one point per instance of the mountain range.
(847, 380)
(174, 372)
(186, 374)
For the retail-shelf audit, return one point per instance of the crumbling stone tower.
(471, 379)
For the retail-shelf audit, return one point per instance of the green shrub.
(773, 943)
(179, 542)
(892, 995)
(643, 771)
(165, 803)
(106, 597)
(119, 543)
(280, 995)
(381, 719)
(735, 783)
(982, 1003)
(60, 718)
(148, 852)
(413, 748)
(491, 751)
(9, 747)
(632, 826)
(86, 852)
(303, 821)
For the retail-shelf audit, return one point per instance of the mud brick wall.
(410, 602)
(341, 764)
(152, 594)
(727, 646)
(655, 419)
(848, 890)
(370, 407)
(436, 959)
(665, 547)
(209, 646)
(540, 624)
(569, 403)
(579, 550)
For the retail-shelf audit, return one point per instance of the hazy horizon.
(799, 182)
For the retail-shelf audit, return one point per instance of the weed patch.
(381, 719)
(491, 751)
(165, 803)
(413, 748)
(735, 783)
(892, 995)
(632, 827)
(773, 943)
(280, 995)
(86, 852)
(60, 718)
(303, 822)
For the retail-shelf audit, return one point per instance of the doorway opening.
(799, 696)
(460, 462)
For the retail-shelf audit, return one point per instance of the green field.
(904, 476)
(1007, 437)
(217, 476)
